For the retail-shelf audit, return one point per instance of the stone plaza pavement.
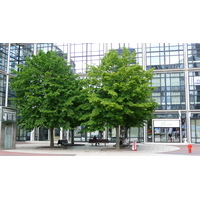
(41, 148)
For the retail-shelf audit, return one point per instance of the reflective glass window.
(155, 54)
(194, 88)
(162, 60)
(2, 89)
(174, 48)
(194, 55)
(174, 59)
(165, 56)
(172, 93)
(155, 61)
(155, 44)
(168, 100)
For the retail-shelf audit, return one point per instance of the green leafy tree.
(119, 92)
(46, 92)
(78, 105)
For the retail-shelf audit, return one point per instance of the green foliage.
(46, 92)
(119, 91)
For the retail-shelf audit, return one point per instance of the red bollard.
(134, 147)
(189, 148)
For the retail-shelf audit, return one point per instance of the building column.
(48, 134)
(144, 57)
(105, 133)
(69, 53)
(145, 132)
(187, 93)
(67, 135)
(152, 136)
(188, 129)
(32, 135)
(180, 127)
(61, 133)
(144, 65)
(35, 49)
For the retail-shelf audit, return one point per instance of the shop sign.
(166, 123)
(9, 115)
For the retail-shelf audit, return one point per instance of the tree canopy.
(115, 93)
(119, 91)
(46, 92)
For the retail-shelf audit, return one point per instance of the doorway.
(195, 130)
(166, 130)
(8, 136)
(166, 134)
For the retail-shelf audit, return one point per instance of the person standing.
(95, 138)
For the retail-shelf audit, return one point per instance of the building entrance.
(166, 130)
(8, 136)
(167, 134)
(195, 130)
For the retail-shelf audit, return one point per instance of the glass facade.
(170, 91)
(193, 55)
(176, 80)
(3, 69)
(2, 89)
(83, 54)
(3, 56)
(165, 56)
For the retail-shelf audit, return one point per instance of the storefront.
(167, 130)
(195, 127)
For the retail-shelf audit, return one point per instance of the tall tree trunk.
(51, 138)
(126, 132)
(72, 136)
(117, 138)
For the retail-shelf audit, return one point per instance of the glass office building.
(177, 81)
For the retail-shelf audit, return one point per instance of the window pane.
(155, 60)
(174, 59)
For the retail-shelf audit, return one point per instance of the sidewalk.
(41, 148)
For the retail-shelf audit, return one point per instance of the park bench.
(63, 143)
(99, 141)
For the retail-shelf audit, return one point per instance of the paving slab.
(41, 148)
